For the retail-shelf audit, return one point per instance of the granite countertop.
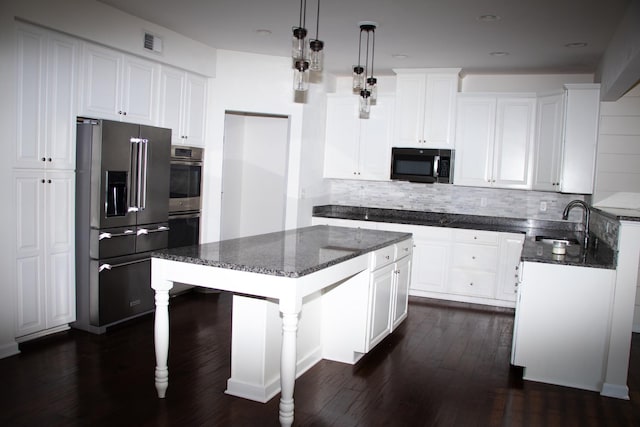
(291, 253)
(598, 255)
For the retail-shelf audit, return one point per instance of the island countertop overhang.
(290, 253)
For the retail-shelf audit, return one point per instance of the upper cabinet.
(425, 107)
(358, 148)
(118, 86)
(567, 133)
(494, 140)
(183, 99)
(46, 109)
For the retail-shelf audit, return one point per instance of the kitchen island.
(336, 291)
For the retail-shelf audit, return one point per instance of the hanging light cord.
(373, 48)
(303, 16)
(318, 20)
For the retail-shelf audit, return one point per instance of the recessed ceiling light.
(499, 53)
(488, 18)
(575, 45)
(263, 32)
(399, 56)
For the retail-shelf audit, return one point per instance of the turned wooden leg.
(288, 367)
(161, 338)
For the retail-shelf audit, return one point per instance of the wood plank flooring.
(447, 365)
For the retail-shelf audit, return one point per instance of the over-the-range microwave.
(422, 165)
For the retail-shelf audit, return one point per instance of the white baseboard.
(9, 349)
(615, 390)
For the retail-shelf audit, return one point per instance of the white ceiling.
(433, 33)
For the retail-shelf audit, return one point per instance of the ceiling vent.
(152, 43)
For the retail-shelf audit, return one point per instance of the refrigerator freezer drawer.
(112, 242)
(121, 289)
(152, 237)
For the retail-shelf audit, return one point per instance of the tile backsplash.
(453, 199)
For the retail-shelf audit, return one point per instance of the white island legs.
(288, 360)
(288, 355)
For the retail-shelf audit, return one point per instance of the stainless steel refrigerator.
(122, 205)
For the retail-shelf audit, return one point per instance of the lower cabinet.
(45, 251)
(561, 330)
(353, 325)
(475, 266)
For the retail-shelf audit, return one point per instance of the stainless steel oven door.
(185, 186)
(184, 229)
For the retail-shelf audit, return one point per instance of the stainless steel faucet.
(585, 217)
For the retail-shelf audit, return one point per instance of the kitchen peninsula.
(336, 292)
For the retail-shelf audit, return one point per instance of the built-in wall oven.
(185, 200)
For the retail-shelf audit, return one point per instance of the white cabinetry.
(561, 331)
(43, 181)
(46, 86)
(566, 137)
(494, 140)
(182, 108)
(353, 325)
(358, 148)
(118, 86)
(45, 274)
(425, 107)
(465, 265)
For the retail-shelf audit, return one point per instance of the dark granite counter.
(598, 255)
(291, 253)
(620, 214)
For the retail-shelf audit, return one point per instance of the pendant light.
(365, 86)
(316, 55)
(305, 58)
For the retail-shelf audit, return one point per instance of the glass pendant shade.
(372, 87)
(365, 104)
(297, 43)
(316, 55)
(358, 79)
(301, 75)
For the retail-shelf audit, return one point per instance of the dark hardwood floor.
(447, 365)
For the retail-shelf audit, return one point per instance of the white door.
(254, 174)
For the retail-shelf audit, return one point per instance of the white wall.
(618, 159)
(97, 22)
(263, 90)
(232, 176)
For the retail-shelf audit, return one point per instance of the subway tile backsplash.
(453, 199)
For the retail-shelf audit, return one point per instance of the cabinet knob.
(473, 257)
(44, 159)
(471, 284)
(49, 181)
(119, 112)
(42, 181)
(125, 113)
(49, 159)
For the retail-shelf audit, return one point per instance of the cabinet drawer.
(479, 257)
(383, 256)
(403, 248)
(476, 236)
(472, 282)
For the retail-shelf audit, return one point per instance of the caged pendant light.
(365, 86)
(305, 57)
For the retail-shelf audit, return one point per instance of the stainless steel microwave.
(422, 165)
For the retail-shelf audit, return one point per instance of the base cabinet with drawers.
(475, 266)
(353, 325)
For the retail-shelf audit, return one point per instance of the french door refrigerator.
(122, 205)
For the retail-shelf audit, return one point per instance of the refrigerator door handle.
(143, 161)
(123, 264)
(134, 174)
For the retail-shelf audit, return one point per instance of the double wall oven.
(185, 199)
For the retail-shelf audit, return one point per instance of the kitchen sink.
(568, 241)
